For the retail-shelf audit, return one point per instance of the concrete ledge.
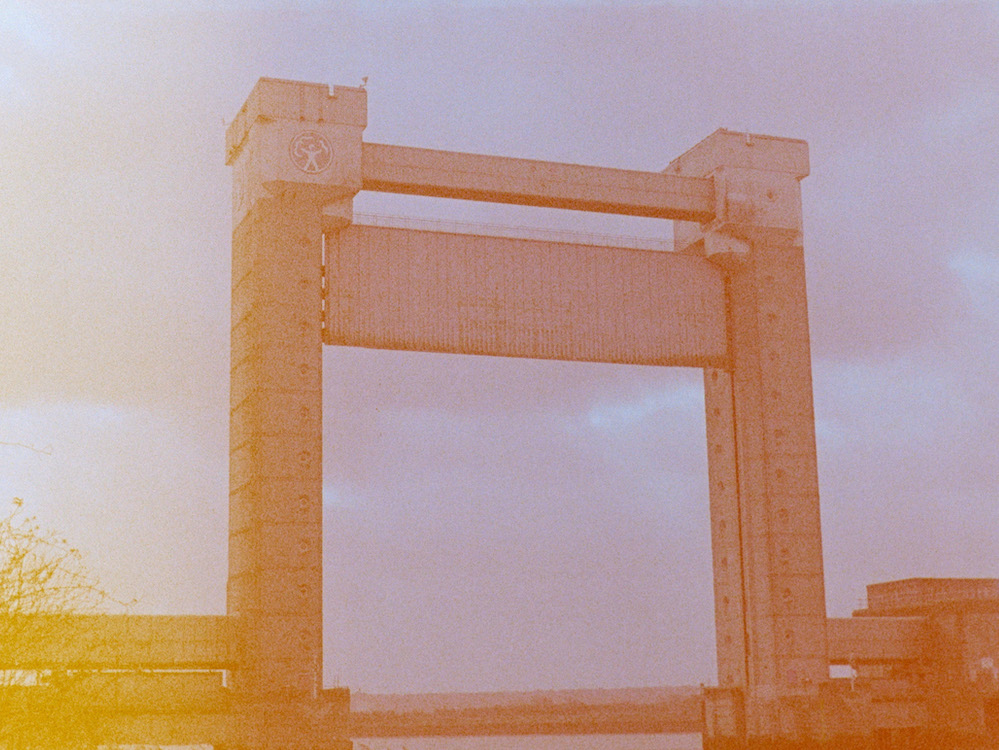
(117, 642)
(279, 99)
(733, 149)
(868, 640)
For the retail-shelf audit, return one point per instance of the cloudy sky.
(498, 524)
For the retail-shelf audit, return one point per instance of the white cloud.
(623, 415)
(979, 272)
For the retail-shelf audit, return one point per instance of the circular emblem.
(311, 152)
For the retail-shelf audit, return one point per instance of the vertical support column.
(296, 156)
(726, 529)
(275, 576)
(766, 536)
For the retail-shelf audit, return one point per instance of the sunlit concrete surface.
(294, 150)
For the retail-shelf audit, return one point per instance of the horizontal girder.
(526, 182)
(404, 289)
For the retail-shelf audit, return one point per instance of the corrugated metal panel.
(393, 288)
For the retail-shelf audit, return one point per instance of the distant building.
(924, 655)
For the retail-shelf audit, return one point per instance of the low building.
(922, 663)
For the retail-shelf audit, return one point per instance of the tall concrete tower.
(295, 150)
(766, 539)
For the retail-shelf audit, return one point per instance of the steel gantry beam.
(527, 182)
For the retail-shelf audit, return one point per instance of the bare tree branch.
(43, 583)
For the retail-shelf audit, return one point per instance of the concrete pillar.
(765, 529)
(295, 151)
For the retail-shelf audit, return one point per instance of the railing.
(662, 717)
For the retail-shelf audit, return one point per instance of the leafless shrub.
(46, 700)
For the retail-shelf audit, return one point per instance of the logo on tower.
(311, 152)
